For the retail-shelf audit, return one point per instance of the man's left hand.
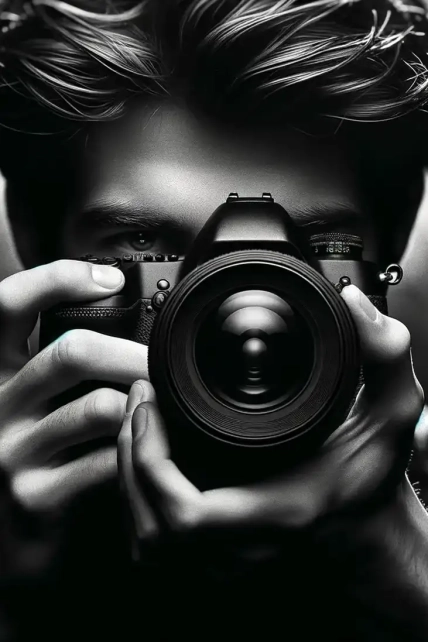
(364, 459)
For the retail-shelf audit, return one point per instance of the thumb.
(386, 353)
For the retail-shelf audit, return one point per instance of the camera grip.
(134, 323)
(380, 302)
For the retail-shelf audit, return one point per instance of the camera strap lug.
(392, 275)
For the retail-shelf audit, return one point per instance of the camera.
(252, 352)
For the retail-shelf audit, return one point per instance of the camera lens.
(255, 348)
(254, 351)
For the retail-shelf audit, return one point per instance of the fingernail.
(107, 277)
(353, 296)
(139, 421)
(135, 396)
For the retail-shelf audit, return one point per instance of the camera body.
(252, 352)
(150, 278)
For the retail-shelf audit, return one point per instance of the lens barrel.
(255, 348)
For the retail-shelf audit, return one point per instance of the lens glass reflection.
(254, 350)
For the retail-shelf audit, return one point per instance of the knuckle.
(60, 272)
(71, 350)
(415, 403)
(27, 489)
(7, 296)
(105, 405)
(398, 340)
(185, 519)
(148, 533)
(7, 451)
(303, 517)
(309, 506)
(419, 399)
(103, 466)
(406, 410)
(140, 458)
(144, 461)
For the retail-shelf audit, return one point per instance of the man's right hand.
(32, 436)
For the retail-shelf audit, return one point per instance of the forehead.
(163, 158)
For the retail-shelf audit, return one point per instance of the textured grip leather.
(380, 302)
(134, 323)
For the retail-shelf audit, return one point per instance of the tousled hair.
(310, 64)
(83, 60)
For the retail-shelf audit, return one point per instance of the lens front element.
(253, 351)
(255, 348)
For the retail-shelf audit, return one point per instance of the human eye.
(113, 234)
(138, 240)
(129, 241)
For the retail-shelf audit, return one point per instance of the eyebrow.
(122, 214)
(125, 214)
(327, 215)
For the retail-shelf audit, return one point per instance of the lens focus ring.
(184, 396)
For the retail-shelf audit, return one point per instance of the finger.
(181, 507)
(387, 363)
(143, 519)
(286, 503)
(78, 355)
(98, 414)
(175, 501)
(50, 488)
(25, 294)
(421, 435)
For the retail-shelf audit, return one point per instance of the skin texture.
(149, 182)
(168, 170)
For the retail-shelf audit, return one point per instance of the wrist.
(380, 562)
(400, 530)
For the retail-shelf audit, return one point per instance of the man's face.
(150, 181)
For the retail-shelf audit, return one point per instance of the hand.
(33, 438)
(358, 469)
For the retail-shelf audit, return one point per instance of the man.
(124, 131)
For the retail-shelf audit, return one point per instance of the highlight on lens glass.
(254, 351)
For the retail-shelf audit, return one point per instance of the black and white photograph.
(213, 320)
